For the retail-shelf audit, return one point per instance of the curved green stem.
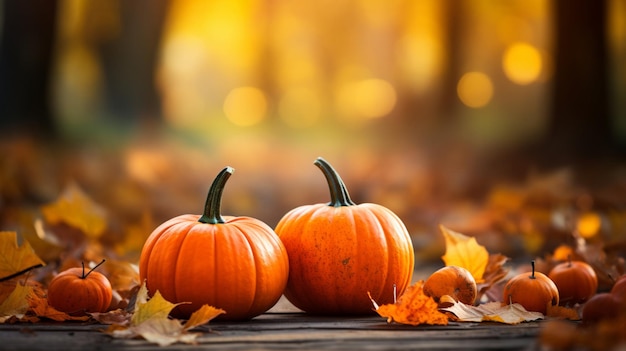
(338, 193)
(213, 203)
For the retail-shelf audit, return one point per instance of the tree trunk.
(580, 124)
(26, 60)
(129, 63)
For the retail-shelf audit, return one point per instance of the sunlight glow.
(475, 89)
(245, 106)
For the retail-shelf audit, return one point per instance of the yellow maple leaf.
(151, 321)
(14, 259)
(16, 304)
(464, 251)
(155, 308)
(74, 208)
(413, 307)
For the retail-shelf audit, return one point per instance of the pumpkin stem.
(213, 203)
(532, 275)
(569, 260)
(338, 193)
(91, 270)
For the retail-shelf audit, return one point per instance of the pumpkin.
(453, 281)
(237, 264)
(340, 251)
(75, 292)
(533, 290)
(576, 281)
(619, 288)
(602, 306)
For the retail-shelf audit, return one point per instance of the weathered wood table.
(286, 330)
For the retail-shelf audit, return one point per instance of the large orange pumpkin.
(237, 264)
(340, 251)
(75, 293)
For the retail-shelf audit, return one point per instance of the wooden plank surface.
(286, 331)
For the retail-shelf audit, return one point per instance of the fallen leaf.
(16, 260)
(413, 307)
(74, 208)
(464, 251)
(490, 312)
(202, 316)
(118, 316)
(39, 306)
(16, 304)
(164, 332)
(495, 272)
(150, 320)
(562, 312)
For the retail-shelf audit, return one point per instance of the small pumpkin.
(576, 281)
(75, 292)
(237, 264)
(619, 288)
(453, 281)
(533, 290)
(340, 251)
(601, 307)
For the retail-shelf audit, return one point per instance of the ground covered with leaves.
(62, 205)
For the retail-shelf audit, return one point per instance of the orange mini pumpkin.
(576, 281)
(75, 293)
(237, 264)
(533, 290)
(340, 251)
(453, 281)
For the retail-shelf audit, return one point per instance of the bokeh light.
(522, 63)
(589, 224)
(475, 89)
(366, 99)
(245, 106)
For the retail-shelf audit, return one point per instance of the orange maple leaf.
(16, 260)
(413, 308)
(39, 306)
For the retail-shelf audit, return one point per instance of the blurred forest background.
(505, 119)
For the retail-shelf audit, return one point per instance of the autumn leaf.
(563, 312)
(494, 273)
(464, 251)
(489, 312)
(151, 321)
(413, 307)
(74, 208)
(39, 306)
(16, 304)
(14, 259)
(202, 316)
